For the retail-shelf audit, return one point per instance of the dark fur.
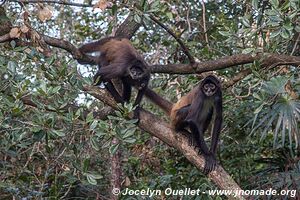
(198, 121)
(119, 59)
(188, 113)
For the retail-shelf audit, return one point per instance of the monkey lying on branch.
(119, 59)
(195, 111)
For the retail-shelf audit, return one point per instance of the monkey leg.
(210, 161)
(137, 102)
(101, 62)
(180, 118)
(112, 90)
(126, 90)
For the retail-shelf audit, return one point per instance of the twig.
(249, 91)
(184, 48)
(241, 75)
(296, 43)
(53, 2)
(188, 19)
(204, 22)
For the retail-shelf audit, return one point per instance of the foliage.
(279, 106)
(52, 145)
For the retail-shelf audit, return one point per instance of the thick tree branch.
(162, 130)
(221, 63)
(128, 28)
(225, 62)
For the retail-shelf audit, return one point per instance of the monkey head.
(138, 70)
(210, 85)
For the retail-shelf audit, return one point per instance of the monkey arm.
(197, 131)
(139, 97)
(137, 102)
(112, 71)
(210, 160)
(217, 125)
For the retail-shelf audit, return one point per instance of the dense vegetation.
(58, 141)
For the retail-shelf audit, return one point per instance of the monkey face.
(136, 72)
(209, 89)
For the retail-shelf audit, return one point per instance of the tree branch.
(225, 62)
(233, 80)
(162, 130)
(52, 2)
(221, 63)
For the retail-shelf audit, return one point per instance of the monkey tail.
(157, 99)
(94, 46)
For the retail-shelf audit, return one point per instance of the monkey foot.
(136, 114)
(210, 164)
(191, 140)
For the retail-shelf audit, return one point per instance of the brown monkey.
(195, 111)
(119, 59)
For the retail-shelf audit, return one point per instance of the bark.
(128, 27)
(227, 61)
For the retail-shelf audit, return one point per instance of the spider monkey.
(195, 111)
(119, 59)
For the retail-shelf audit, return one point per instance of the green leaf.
(248, 50)
(130, 140)
(129, 133)
(90, 117)
(91, 179)
(255, 95)
(275, 3)
(255, 4)
(225, 33)
(94, 125)
(245, 22)
(56, 89)
(258, 110)
(275, 33)
(169, 15)
(137, 18)
(94, 143)
(86, 164)
(96, 176)
(113, 148)
(12, 66)
(59, 133)
(285, 34)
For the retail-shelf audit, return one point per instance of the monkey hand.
(136, 114)
(210, 163)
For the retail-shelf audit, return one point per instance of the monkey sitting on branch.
(195, 111)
